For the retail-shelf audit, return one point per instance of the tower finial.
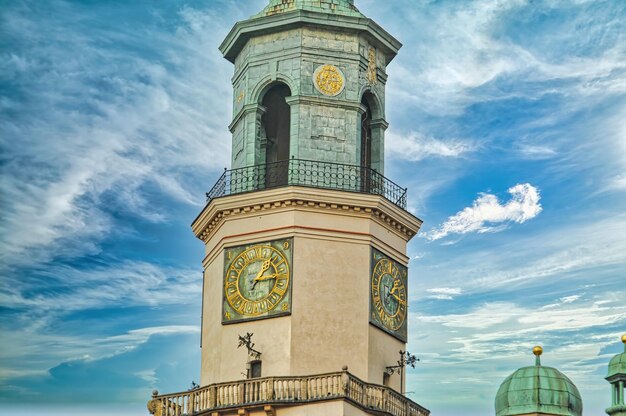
(624, 341)
(538, 351)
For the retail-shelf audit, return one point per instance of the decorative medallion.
(372, 76)
(329, 80)
(257, 281)
(388, 300)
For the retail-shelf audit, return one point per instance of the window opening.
(255, 369)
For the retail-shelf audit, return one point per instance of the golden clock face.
(257, 281)
(329, 80)
(388, 295)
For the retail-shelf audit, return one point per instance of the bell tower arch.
(276, 123)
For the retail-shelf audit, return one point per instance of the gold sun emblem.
(329, 80)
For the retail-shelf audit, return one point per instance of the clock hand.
(267, 277)
(402, 302)
(264, 267)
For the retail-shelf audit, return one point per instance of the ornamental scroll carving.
(372, 75)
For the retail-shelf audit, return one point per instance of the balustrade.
(285, 390)
(309, 173)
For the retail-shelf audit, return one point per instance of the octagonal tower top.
(309, 96)
(281, 15)
(342, 7)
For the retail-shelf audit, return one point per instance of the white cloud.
(570, 299)
(487, 214)
(415, 146)
(615, 183)
(444, 293)
(535, 152)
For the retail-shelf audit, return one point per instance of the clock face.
(257, 281)
(389, 301)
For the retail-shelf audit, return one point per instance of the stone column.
(294, 127)
(378, 144)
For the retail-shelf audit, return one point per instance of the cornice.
(244, 30)
(375, 207)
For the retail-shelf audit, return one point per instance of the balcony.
(308, 173)
(286, 391)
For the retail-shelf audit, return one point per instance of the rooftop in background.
(538, 389)
(617, 365)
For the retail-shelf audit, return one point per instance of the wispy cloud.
(465, 46)
(536, 152)
(444, 293)
(126, 375)
(569, 299)
(488, 327)
(500, 336)
(93, 129)
(487, 214)
(131, 283)
(562, 256)
(415, 147)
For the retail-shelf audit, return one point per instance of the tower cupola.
(617, 377)
(538, 390)
(309, 85)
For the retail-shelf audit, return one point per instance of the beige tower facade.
(305, 284)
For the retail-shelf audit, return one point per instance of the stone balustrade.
(285, 391)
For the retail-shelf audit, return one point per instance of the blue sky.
(507, 126)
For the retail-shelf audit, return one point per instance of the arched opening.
(372, 132)
(276, 122)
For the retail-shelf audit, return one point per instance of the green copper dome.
(342, 7)
(617, 365)
(538, 389)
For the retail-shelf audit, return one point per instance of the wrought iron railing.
(307, 173)
(285, 391)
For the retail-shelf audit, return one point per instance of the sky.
(507, 125)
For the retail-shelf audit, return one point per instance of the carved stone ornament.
(329, 80)
(372, 76)
(154, 407)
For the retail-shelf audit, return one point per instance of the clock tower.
(306, 266)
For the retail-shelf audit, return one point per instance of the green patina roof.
(342, 7)
(617, 365)
(538, 389)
